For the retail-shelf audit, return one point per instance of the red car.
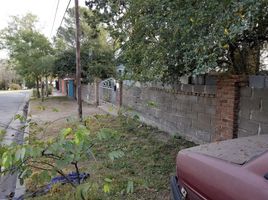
(234, 169)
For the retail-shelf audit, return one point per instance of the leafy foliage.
(40, 160)
(27, 47)
(96, 49)
(163, 39)
(147, 162)
(69, 148)
(2, 133)
(142, 172)
(65, 63)
(130, 186)
(8, 76)
(20, 117)
(107, 185)
(116, 154)
(106, 133)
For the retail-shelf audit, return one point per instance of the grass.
(145, 168)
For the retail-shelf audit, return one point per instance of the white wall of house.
(264, 57)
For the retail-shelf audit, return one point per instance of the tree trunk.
(253, 60)
(37, 88)
(42, 90)
(47, 86)
(245, 59)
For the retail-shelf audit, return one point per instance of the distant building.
(264, 57)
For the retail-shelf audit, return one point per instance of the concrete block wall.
(233, 108)
(187, 111)
(253, 111)
(88, 93)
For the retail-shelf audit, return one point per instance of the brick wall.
(88, 93)
(253, 114)
(188, 111)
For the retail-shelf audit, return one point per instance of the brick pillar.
(227, 107)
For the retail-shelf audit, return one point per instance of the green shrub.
(49, 90)
(2, 85)
(30, 83)
(34, 92)
(14, 86)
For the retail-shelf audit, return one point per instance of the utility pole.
(78, 66)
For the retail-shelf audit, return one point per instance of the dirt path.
(56, 110)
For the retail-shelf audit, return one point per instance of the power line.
(54, 18)
(64, 15)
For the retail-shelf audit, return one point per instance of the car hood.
(238, 151)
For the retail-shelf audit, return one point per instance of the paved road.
(11, 102)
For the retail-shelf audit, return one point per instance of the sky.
(44, 9)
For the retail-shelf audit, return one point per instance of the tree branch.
(57, 170)
(77, 171)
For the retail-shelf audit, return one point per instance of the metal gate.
(107, 91)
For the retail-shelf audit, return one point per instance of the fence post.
(120, 93)
(97, 98)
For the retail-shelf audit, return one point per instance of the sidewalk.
(55, 111)
(106, 107)
(56, 93)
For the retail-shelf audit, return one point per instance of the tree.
(163, 39)
(41, 160)
(64, 63)
(46, 64)
(26, 46)
(8, 75)
(96, 50)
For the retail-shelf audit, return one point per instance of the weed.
(144, 162)
(55, 110)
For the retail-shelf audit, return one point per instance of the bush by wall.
(14, 86)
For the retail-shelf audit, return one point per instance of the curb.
(20, 189)
(14, 134)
